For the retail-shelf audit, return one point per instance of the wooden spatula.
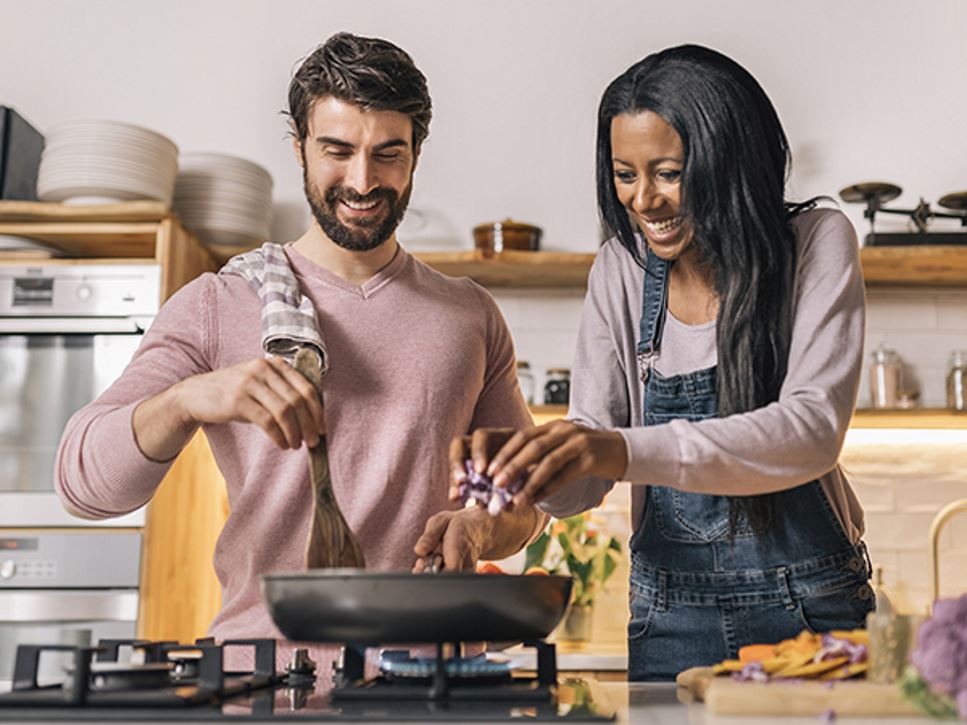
(331, 542)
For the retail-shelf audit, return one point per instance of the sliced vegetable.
(757, 652)
(488, 567)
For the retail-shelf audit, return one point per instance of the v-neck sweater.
(416, 359)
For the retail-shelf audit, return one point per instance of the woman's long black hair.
(733, 195)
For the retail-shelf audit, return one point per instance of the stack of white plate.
(100, 161)
(224, 200)
(17, 246)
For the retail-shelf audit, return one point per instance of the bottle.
(957, 380)
(885, 378)
(557, 389)
(526, 380)
(884, 597)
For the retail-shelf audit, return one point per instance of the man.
(415, 358)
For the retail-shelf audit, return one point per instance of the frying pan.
(366, 607)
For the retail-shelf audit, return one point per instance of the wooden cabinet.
(179, 592)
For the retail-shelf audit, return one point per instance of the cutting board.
(847, 698)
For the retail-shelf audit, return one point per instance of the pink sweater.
(416, 358)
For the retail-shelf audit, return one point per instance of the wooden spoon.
(331, 542)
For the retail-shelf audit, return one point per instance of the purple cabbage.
(479, 488)
(832, 647)
(751, 672)
(941, 652)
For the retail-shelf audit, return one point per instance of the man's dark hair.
(369, 72)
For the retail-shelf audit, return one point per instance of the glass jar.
(957, 380)
(525, 379)
(557, 388)
(886, 378)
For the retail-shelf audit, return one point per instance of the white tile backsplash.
(923, 326)
(894, 311)
(877, 495)
(897, 531)
(544, 324)
(952, 317)
(931, 495)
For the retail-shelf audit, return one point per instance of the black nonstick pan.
(367, 607)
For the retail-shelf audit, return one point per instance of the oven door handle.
(70, 325)
(39, 605)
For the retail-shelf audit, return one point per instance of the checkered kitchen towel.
(288, 319)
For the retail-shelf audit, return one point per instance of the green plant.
(574, 546)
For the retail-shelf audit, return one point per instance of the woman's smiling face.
(648, 159)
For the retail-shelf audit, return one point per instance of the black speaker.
(20, 147)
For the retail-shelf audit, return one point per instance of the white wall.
(869, 89)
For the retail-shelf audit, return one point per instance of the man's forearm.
(513, 530)
(159, 426)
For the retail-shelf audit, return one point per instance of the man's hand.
(464, 537)
(461, 537)
(266, 391)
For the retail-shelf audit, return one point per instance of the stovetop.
(167, 681)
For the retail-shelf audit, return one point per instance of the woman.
(717, 365)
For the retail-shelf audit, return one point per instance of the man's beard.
(363, 234)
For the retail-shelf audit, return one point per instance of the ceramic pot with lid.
(495, 237)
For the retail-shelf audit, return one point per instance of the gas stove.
(164, 681)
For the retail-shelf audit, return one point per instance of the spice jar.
(557, 389)
(957, 380)
(526, 380)
(885, 378)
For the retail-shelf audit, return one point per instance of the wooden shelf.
(125, 228)
(514, 269)
(921, 418)
(122, 211)
(903, 266)
(917, 418)
(915, 266)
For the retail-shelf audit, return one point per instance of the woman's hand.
(479, 447)
(554, 454)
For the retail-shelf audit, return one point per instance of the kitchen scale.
(874, 194)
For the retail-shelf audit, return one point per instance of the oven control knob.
(7, 569)
(83, 293)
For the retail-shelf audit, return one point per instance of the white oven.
(66, 586)
(66, 333)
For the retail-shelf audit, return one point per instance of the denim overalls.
(697, 595)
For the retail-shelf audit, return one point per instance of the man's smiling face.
(357, 169)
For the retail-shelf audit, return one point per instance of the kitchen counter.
(657, 704)
(577, 657)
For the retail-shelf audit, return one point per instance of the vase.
(577, 623)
